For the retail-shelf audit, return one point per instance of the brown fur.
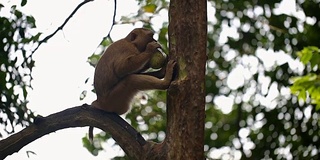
(119, 73)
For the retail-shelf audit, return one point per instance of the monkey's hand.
(152, 47)
(169, 71)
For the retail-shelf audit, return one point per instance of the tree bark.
(186, 96)
(129, 139)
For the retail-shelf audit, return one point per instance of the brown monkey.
(119, 74)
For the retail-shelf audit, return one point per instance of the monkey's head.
(140, 37)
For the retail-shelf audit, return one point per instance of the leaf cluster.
(16, 65)
(308, 84)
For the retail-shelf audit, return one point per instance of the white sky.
(61, 69)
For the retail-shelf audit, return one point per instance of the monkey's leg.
(120, 96)
(147, 82)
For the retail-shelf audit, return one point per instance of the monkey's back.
(106, 74)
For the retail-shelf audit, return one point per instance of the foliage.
(16, 65)
(269, 121)
(309, 83)
(250, 111)
(95, 146)
(310, 55)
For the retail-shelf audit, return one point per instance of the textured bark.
(186, 97)
(129, 139)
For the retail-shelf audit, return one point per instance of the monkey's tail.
(91, 134)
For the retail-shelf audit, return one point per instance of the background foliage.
(253, 60)
(307, 86)
(15, 66)
(265, 119)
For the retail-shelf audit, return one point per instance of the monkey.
(120, 72)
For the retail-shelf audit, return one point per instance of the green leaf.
(18, 14)
(150, 8)
(86, 81)
(13, 7)
(93, 59)
(36, 37)
(83, 95)
(309, 54)
(87, 144)
(31, 21)
(106, 42)
(23, 3)
(305, 55)
(302, 95)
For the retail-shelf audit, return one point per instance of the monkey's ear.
(132, 36)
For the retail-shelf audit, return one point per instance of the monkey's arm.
(135, 62)
(132, 64)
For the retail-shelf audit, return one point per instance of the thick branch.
(126, 136)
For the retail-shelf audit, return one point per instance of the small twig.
(114, 16)
(113, 23)
(60, 27)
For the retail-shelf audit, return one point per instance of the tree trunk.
(186, 97)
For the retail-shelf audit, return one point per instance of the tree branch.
(113, 23)
(63, 24)
(126, 136)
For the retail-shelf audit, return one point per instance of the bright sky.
(61, 70)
